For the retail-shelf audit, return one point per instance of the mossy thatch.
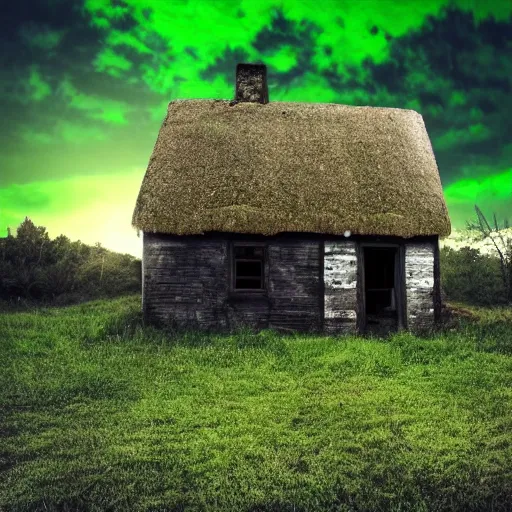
(311, 167)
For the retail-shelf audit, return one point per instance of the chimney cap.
(251, 83)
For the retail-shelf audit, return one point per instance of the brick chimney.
(251, 83)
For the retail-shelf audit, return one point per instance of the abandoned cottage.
(294, 216)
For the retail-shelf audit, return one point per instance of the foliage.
(471, 277)
(101, 412)
(35, 268)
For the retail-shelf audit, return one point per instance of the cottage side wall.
(340, 287)
(419, 285)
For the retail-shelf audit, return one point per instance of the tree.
(34, 267)
(503, 248)
(23, 258)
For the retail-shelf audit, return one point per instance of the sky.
(85, 84)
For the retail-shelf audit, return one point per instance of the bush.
(470, 277)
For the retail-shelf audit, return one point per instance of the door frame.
(399, 282)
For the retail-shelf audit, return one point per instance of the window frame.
(232, 270)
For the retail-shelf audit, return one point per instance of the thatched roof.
(267, 168)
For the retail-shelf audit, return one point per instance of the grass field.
(101, 413)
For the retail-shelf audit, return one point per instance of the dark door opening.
(381, 289)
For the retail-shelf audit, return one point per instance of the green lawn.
(101, 413)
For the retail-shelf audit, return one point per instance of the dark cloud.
(226, 64)
(41, 121)
(281, 32)
(454, 70)
(454, 55)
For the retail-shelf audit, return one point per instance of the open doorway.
(382, 289)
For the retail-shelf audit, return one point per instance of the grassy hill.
(102, 413)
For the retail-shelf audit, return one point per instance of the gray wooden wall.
(187, 285)
(294, 285)
(185, 282)
(312, 285)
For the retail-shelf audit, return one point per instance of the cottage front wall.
(312, 284)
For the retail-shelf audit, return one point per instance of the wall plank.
(340, 287)
(294, 284)
(419, 285)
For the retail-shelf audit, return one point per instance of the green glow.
(104, 11)
(492, 194)
(309, 88)
(97, 208)
(158, 51)
(39, 89)
(95, 107)
(475, 114)
(499, 10)
(117, 38)
(73, 133)
(458, 98)
(283, 60)
(157, 113)
(35, 137)
(498, 187)
(41, 37)
(111, 62)
(210, 28)
(457, 136)
(77, 133)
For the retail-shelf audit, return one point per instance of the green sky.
(85, 85)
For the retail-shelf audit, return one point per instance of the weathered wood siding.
(186, 284)
(313, 284)
(294, 285)
(419, 285)
(185, 281)
(340, 287)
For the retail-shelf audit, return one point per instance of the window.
(248, 267)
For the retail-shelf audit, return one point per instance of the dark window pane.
(248, 268)
(248, 252)
(254, 284)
